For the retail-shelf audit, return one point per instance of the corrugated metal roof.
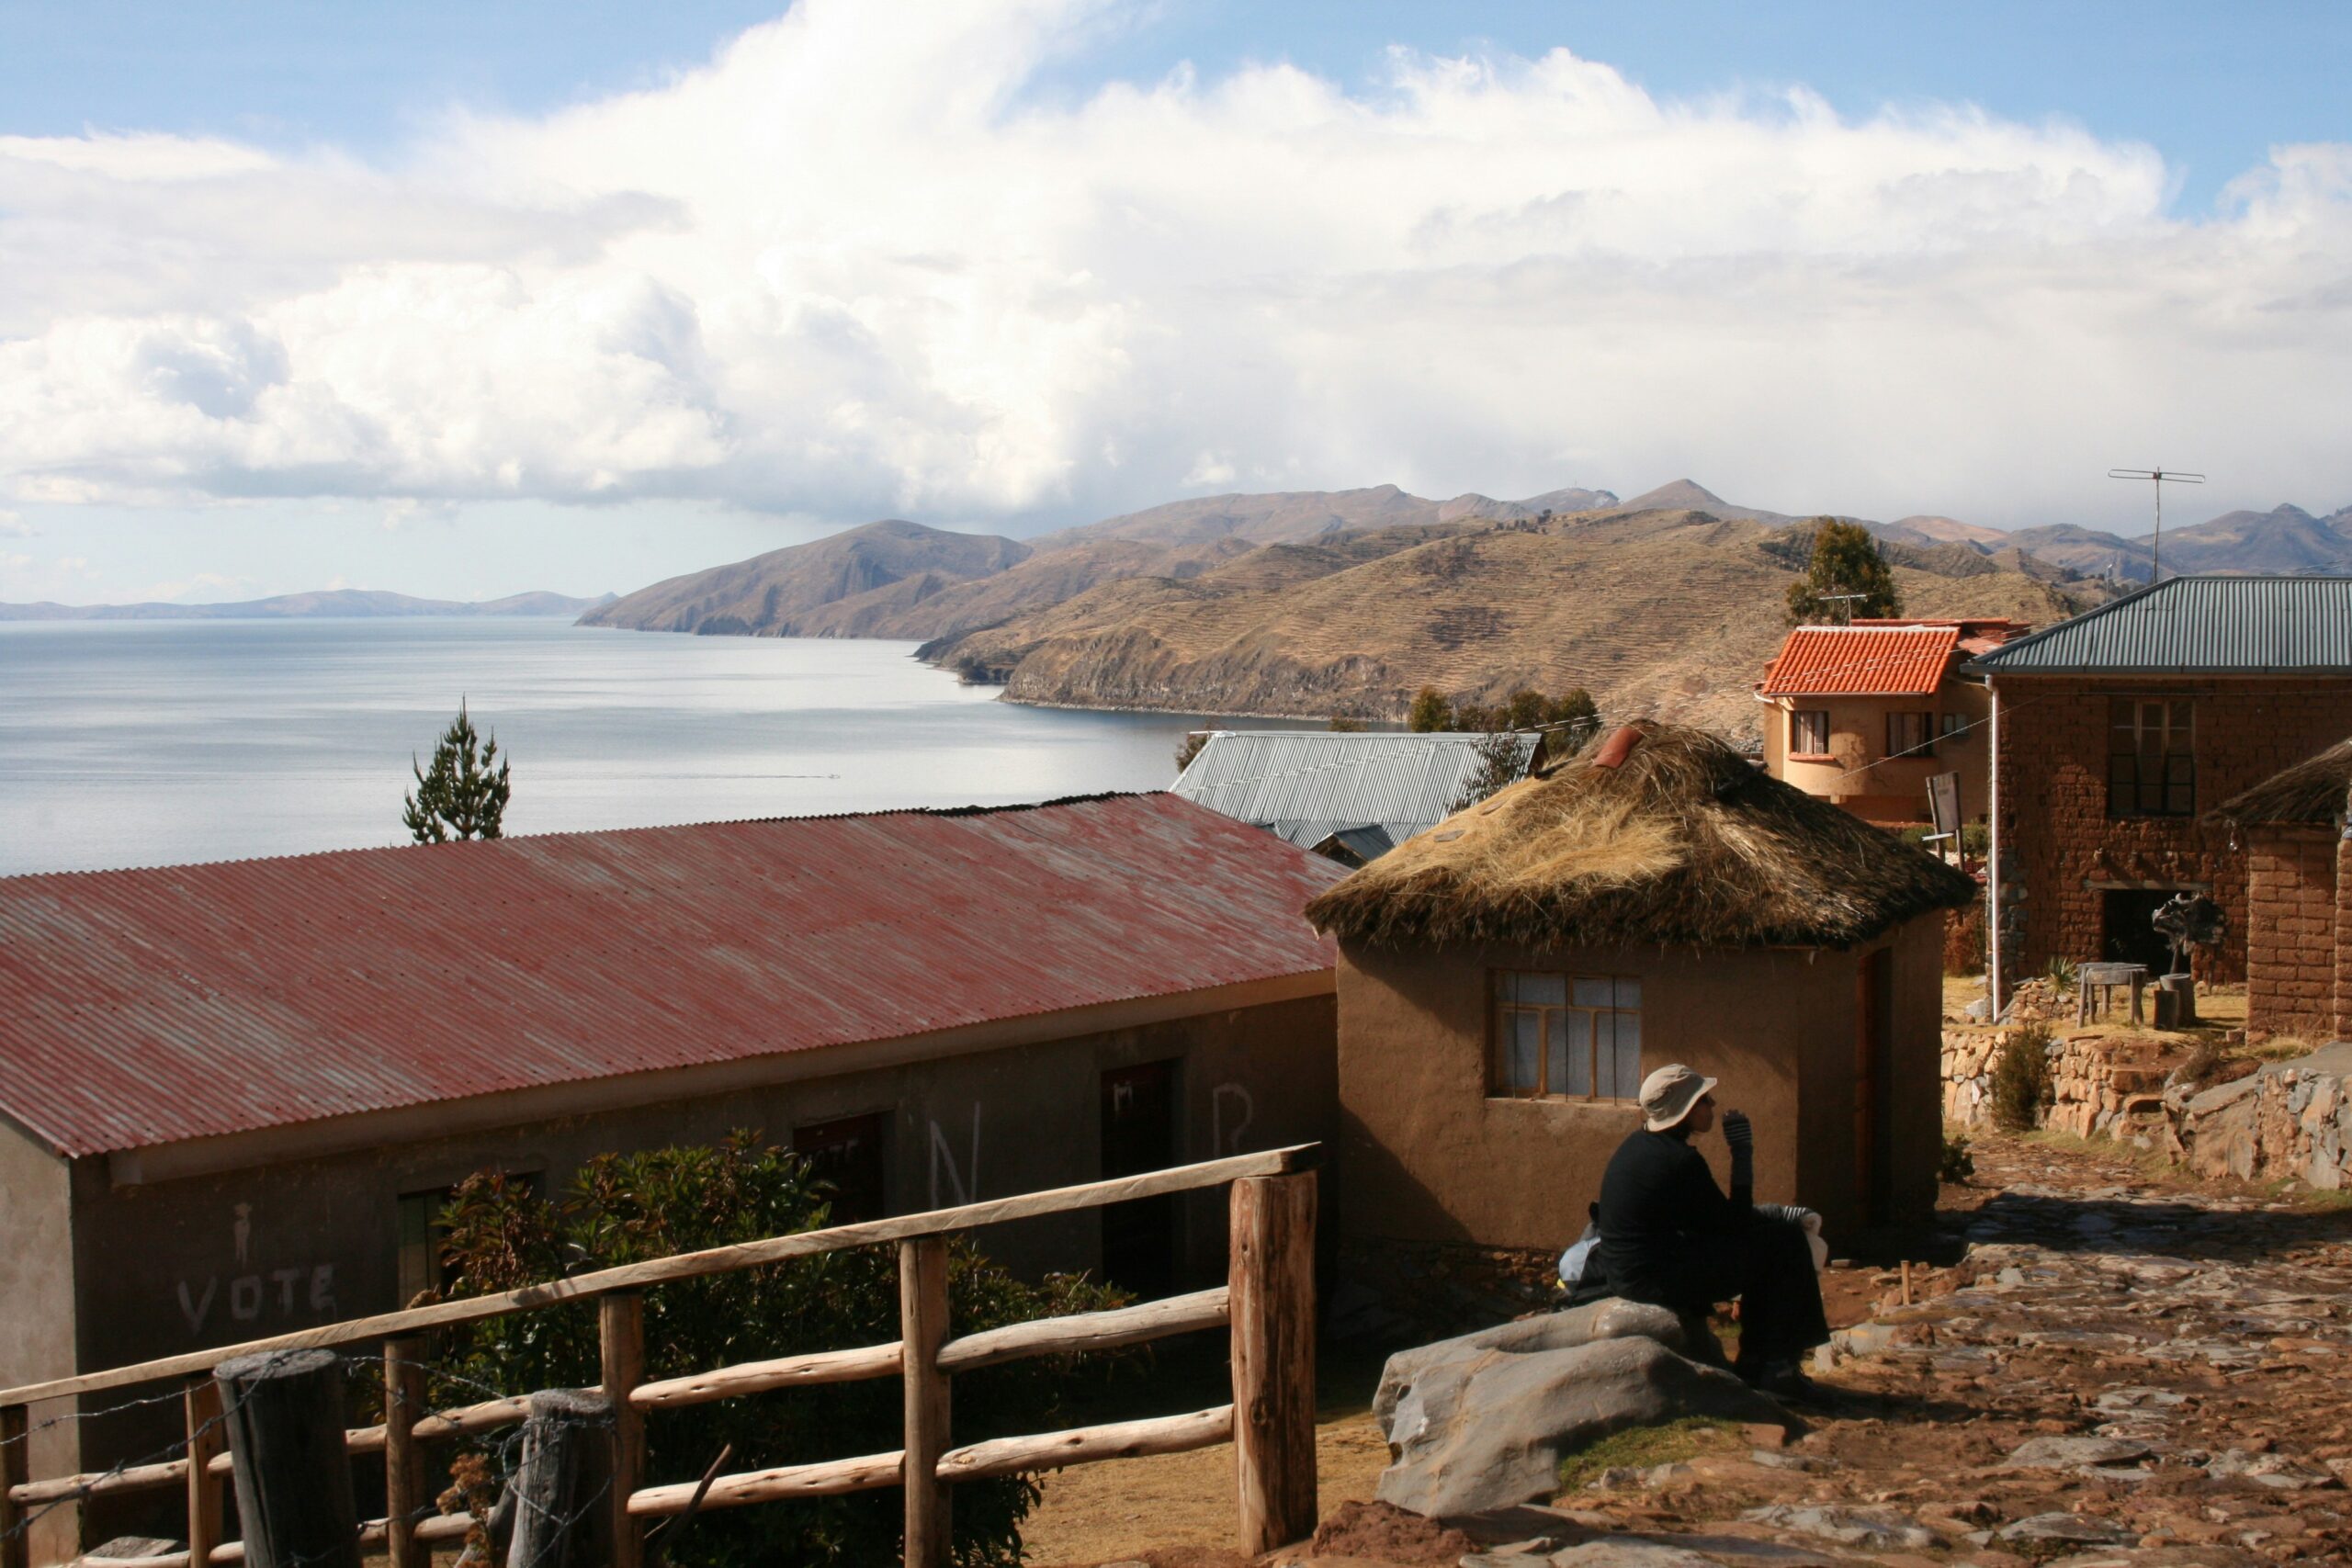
(2197, 625)
(1856, 661)
(139, 1008)
(1308, 784)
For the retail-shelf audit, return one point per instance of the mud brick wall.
(2344, 938)
(2291, 958)
(2058, 843)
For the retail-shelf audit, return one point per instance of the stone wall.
(2292, 1121)
(2060, 851)
(2095, 1079)
(2292, 950)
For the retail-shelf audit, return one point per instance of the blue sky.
(720, 309)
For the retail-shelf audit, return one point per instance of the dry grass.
(1685, 844)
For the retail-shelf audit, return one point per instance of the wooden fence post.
(561, 1517)
(922, 1328)
(285, 1425)
(621, 1324)
(1272, 1295)
(16, 1469)
(207, 1435)
(406, 1491)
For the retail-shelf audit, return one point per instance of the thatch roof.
(1683, 843)
(2312, 791)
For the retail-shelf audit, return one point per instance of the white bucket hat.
(1668, 1094)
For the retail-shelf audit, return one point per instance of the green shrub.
(626, 1208)
(2021, 1087)
(2061, 973)
(1955, 1165)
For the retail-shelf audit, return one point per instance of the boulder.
(1608, 1319)
(1486, 1426)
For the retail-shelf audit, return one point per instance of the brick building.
(2299, 897)
(1864, 715)
(2115, 734)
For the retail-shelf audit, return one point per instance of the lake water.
(158, 742)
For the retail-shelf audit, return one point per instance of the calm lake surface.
(158, 742)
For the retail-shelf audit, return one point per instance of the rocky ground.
(2121, 1369)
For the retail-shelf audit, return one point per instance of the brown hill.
(786, 591)
(1668, 612)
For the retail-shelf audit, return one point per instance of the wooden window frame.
(1797, 728)
(2172, 794)
(1497, 1006)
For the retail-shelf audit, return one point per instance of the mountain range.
(325, 604)
(1320, 602)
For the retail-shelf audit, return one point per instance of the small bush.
(2021, 1087)
(2061, 973)
(1189, 747)
(1964, 940)
(1955, 1165)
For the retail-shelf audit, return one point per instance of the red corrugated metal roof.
(139, 1008)
(1860, 661)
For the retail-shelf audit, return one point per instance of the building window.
(1567, 1037)
(2150, 756)
(1809, 732)
(1951, 727)
(1910, 735)
(422, 1234)
(846, 1155)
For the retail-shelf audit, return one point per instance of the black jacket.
(1665, 1225)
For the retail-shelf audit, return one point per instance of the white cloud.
(14, 527)
(849, 269)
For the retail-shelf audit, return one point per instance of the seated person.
(1669, 1237)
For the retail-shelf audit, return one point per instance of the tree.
(1348, 723)
(1845, 560)
(502, 1235)
(1430, 712)
(1189, 747)
(1498, 764)
(462, 795)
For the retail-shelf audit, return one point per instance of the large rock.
(1608, 1319)
(1486, 1426)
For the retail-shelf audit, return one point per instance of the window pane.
(1629, 992)
(1526, 1047)
(1620, 1055)
(1595, 993)
(1555, 1065)
(1542, 990)
(1577, 1029)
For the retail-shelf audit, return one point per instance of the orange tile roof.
(1861, 661)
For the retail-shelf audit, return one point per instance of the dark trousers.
(1767, 1265)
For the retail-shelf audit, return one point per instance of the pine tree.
(1846, 559)
(462, 795)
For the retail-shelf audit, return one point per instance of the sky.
(462, 301)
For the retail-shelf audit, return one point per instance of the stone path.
(2118, 1372)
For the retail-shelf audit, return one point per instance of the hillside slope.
(779, 594)
(1672, 613)
(325, 604)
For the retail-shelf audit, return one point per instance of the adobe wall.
(1891, 791)
(37, 1328)
(2344, 938)
(2291, 948)
(181, 1265)
(2059, 850)
(1426, 1155)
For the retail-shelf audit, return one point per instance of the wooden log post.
(620, 1327)
(16, 1469)
(408, 1495)
(563, 1514)
(1271, 1290)
(286, 1424)
(207, 1438)
(923, 1329)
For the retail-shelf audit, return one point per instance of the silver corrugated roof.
(1307, 784)
(2196, 625)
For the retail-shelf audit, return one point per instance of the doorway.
(2127, 932)
(1874, 1095)
(1139, 1134)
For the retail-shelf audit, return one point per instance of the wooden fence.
(1268, 1301)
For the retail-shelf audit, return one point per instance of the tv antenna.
(1845, 603)
(2159, 477)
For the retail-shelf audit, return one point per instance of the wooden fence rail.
(1267, 1302)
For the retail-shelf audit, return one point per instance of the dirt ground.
(2102, 1366)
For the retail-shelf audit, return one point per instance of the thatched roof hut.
(1662, 835)
(2312, 792)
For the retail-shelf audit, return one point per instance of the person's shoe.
(1783, 1381)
